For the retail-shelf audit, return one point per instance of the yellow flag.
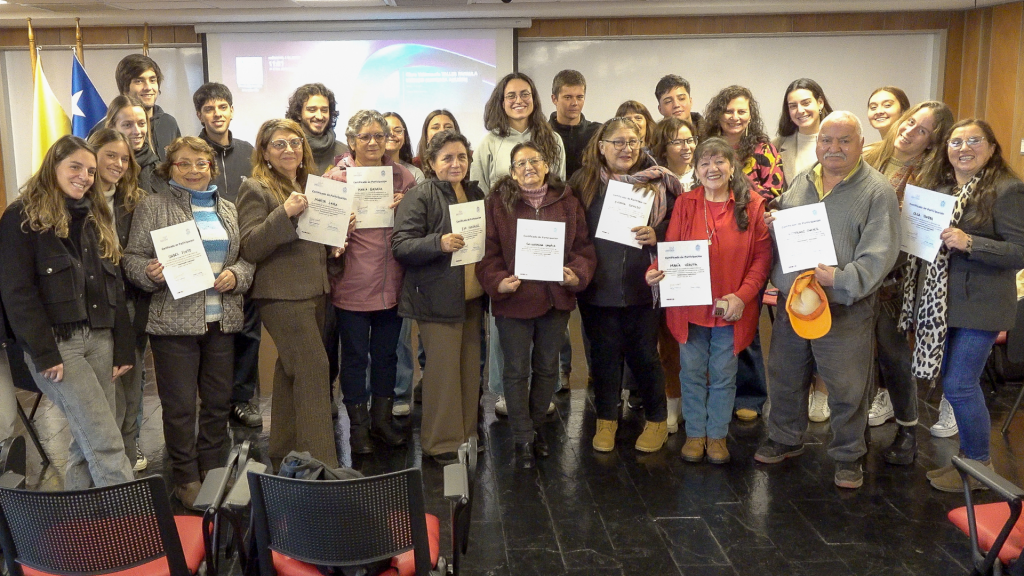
(49, 122)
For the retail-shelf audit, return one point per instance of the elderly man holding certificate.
(863, 217)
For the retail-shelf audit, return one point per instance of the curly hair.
(44, 202)
(665, 132)
(264, 173)
(298, 99)
(880, 155)
(127, 190)
(738, 182)
(752, 136)
(634, 107)
(439, 141)
(786, 125)
(197, 145)
(541, 132)
(360, 120)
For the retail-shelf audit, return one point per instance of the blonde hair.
(265, 174)
(127, 188)
(44, 205)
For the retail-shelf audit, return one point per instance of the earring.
(269, 166)
(300, 163)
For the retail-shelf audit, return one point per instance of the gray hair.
(362, 119)
(845, 116)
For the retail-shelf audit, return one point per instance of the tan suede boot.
(951, 481)
(693, 449)
(718, 452)
(604, 438)
(653, 437)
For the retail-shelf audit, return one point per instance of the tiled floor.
(624, 513)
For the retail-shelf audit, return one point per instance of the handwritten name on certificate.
(925, 215)
(539, 250)
(468, 219)
(624, 209)
(687, 271)
(375, 192)
(325, 219)
(186, 267)
(804, 238)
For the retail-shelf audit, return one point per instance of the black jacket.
(43, 284)
(163, 129)
(575, 139)
(433, 290)
(234, 165)
(123, 222)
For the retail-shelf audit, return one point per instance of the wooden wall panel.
(1003, 64)
(954, 63)
(99, 35)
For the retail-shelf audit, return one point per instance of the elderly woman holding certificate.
(958, 303)
(532, 316)
(365, 295)
(722, 212)
(192, 336)
(617, 307)
(446, 300)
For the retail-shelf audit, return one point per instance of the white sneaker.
(881, 409)
(818, 410)
(551, 409)
(946, 424)
(674, 406)
(141, 463)
(500, 408)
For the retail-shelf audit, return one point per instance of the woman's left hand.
(225, 282)
(569, 278)
(120, 371)
(955, 239)
(645, 235)
(735, 310)
(398, 199)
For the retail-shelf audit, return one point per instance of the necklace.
(709, 226)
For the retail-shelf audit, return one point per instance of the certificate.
(325, 219)
(687, 271)
(925, 215)
(469, 221)
(804, 238)
(623, 210)
(375, 192)
(186, 267)
(539, 247)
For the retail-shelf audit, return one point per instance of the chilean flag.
(87, 107)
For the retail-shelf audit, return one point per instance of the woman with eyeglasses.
(398, 147)
(618, 307)
(365, 295)
(192, 337)
(62, 292)
(958, 304)
(439, 120)
(532, 316)
(641, 116)
(289, 287)
(912, 149)
(512, 116)
(734, 116)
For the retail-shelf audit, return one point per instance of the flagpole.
(80, 52)
(145, 39)
(32, 46)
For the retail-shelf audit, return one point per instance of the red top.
(740, 261)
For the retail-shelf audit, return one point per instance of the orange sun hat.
(807, 306)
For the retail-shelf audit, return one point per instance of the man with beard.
(313, 106)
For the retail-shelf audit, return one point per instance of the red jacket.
(533, 298)
(740, 262)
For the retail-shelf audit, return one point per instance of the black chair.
(23, 380)
(225, 498)
(996, 530)
(99, 531)
(458, 489)
(300, 524)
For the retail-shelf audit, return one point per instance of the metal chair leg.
(31, 429)
(1013, 411)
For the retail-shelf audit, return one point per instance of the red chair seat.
(990, 519)
(190, 531)
(402, 565)
(1001, 338)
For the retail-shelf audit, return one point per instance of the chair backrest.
(90, 531)
(340, 522)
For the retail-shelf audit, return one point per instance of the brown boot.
(187, 494)
(693, 449)
(653, 437)
(951, 481)
(718, 452)
(604, 438)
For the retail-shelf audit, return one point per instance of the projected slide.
(411, 75)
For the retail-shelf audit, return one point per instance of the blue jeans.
(404, 372)
(708, 380)
(967, 351)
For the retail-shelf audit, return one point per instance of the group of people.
(84, 292)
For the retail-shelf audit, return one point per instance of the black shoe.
(772, 452)
(417, 393)
(540, 445)
(524, 456)
(904, 448)
(849, 475)
(360, 428)
(380, 422)
(446, 458)
(246, 414)
(635, 401)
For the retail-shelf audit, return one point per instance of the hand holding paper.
(804, 238)
(625, 213)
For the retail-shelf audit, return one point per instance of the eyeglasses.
(294, 144)
(533, 162)
(972, 142)
(185, 166)
(525, 95)
(633, 143)
(691, 141)
(365, 138)
(398, 131)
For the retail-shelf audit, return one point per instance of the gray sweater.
(864, 215)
